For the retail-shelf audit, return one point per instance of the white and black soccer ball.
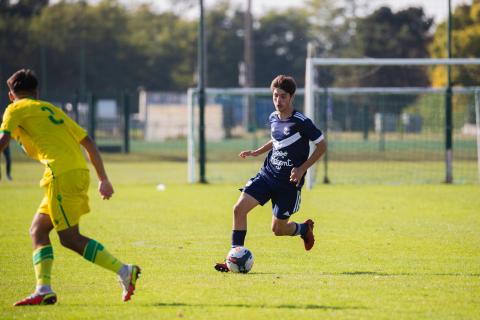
(239, 260)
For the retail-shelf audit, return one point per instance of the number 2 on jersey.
(51, 116)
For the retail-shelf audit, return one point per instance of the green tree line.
(78, 47)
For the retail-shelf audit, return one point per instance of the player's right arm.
(104, 186)
(10, 121)
(253, 153)
(4, 140)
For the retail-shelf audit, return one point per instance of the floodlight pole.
(448, 105)
(201, 94)
(249, 70)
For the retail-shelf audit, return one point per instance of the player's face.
(282, 100)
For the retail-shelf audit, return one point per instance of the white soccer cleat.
(128, 282)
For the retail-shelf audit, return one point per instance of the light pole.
(448, 104)
(201, 93)
(248, 56)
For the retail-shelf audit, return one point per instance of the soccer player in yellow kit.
(48, 135)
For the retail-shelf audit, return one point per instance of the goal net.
(390, 135)
(236, 119)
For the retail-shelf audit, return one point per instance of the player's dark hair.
(23, 81)
(286, 83)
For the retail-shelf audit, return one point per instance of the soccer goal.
(236, 119)
(391, 135)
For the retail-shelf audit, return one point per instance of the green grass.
(382, 252)
(404, 160)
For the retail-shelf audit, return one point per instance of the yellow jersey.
(46, 134)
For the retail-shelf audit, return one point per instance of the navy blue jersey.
(290, 144)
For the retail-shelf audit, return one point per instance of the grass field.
(382, 252)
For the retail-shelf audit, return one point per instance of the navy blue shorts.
(285, 196)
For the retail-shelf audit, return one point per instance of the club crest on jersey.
(286, 131)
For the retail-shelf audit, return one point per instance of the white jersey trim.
(300, 116)
(319, 139)
(286, 142)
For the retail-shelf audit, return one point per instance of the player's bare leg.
(244, 205)
(72, 239)
(289, 228)
(42, 261)
(40, 230)
(283, 227)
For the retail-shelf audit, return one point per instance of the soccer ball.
(239, 260)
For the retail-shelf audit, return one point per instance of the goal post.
(311, 88)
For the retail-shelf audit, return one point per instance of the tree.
(22, 8)
(224, 34)
(382, 34)
(165, 45)
(385, 34)
(332, 26)
(14, 38)
(465, 44)
(281, 40)
(105, 49)
(84, 45)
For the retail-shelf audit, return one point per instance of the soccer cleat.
(128, 283)
(38, 299)
(308, 238)
(221, 267)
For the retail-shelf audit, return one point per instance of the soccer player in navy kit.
(283, 173)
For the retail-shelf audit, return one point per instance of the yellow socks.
(94, 252)
(97, 254)
(42, 263)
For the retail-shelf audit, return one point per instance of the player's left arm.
(297, 173)
(104, 186)
(308, 130)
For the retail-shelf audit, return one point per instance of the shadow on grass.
(258, 273)
(384, 274)
(256, 306)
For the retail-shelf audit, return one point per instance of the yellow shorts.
(66, 198)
